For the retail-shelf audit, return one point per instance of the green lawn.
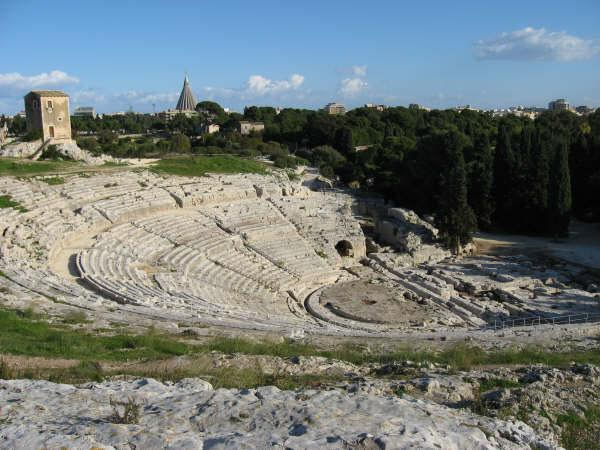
(201, 165)
(16, 167)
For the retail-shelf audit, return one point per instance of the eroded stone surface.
(189, 414)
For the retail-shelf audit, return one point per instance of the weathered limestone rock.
(413, 237)
(189, 414)
(20, 149)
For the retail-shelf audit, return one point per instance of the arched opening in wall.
(344, 248)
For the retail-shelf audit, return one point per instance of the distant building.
(559, 105)
(466, 108)
(186, 104)
(171, 113)
(374, 106)
(3, 133)
(48, 111)
(335, 108)
(248, 127)
(584, 110)
(417, 106)
(85, 111)
(210, 128)
(519, 111)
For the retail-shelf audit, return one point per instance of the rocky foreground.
(190, 414)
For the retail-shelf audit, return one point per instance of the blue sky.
(117, 54)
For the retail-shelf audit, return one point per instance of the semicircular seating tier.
(244, 249)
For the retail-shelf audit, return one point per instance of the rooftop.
(48, 93)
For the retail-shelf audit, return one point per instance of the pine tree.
(454, 217)
(560, 191)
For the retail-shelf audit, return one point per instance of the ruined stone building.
(48, 111)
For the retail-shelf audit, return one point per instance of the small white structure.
(335, 108)
(248, 127)
(210, 128)
(85, 111)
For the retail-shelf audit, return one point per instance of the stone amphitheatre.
(277, 256)
(262, 253)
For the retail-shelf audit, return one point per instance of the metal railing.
(541, 320)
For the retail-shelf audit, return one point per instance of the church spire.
(187, 101)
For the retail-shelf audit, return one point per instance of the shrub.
(51, 153)
(180, 143)
(31, 136)
(130, 414)
(6, 372)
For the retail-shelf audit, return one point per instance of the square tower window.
(35, 104)
(49, 103)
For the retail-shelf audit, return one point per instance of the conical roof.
(187, 101)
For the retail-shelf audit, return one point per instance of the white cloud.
(536, 44)
(350, 87)
(17, 81)
(260, 85)
(359, 71)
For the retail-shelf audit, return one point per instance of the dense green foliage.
(521, 175)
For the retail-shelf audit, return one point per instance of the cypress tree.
(454, 217)
(560, 191)
(536, 209)
(480, 181)
(522, 178)
(503, 178)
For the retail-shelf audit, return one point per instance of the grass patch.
(580, 432)
(16, 167)
(7, 202)
(54, 180)
(495, 383)
(28, 333)
(222, 377)
(236, 378)
(201, 165)
(114, 164)
(75, 317)
(24, 334)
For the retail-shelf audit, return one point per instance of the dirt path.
(582, 247)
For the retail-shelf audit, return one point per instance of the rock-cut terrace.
(243, 251)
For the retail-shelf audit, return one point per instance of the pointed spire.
(187, 101)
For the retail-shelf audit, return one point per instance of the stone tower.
(48, 111)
